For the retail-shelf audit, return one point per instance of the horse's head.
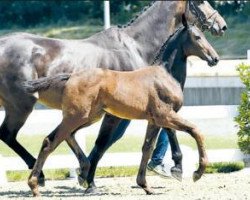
(205, 17)
(196, 44)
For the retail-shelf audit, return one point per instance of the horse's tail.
(44, 83)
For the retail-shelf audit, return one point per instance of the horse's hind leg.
(176, 171)
(15, 117)
(148, 145)
(174, 121)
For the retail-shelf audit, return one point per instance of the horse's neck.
(175, 61)
(151, 29)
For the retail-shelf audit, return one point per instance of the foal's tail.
(42, 84)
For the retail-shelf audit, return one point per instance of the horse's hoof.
(196, 176)
(176, 173)
(93, 190)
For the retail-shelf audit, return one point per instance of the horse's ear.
(184, 21)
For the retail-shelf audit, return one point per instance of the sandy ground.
(216, 186)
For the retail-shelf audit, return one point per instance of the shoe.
(159, 169)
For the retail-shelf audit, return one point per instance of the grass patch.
(51, 174)
(116, 171)
(56, 31)
(104, 172)
(61, 174)
(129, 143)
(224, 167)
(235, 40)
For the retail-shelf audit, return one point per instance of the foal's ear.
(184, 21)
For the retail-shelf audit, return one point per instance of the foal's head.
(196, 44)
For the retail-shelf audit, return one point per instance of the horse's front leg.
(147, 149)
(176, 171)
(112, 129)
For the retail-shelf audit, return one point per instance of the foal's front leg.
(148, 145)
(174, 121)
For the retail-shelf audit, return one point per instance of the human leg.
(160, 148)
(156, 164)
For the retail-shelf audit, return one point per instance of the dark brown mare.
(26, 57)
(88, 94)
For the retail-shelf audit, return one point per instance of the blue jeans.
(161, 145)
(160, 148)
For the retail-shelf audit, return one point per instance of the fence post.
(106, 14)
(3, 178)
(248, 54)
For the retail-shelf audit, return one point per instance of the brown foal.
(149, 93)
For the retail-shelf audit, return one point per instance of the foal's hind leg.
(176, 122)
(15, 116)
(176, 171)
(148, 145)
(83, 160)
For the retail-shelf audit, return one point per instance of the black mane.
(160, 53)
(137, 15)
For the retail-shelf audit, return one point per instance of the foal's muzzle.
(213, 61)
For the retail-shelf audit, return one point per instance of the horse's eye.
(199, 2)
(197, 37)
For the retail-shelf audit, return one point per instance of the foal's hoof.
(176, 173)
(196, 176)
(149, 191)
(33, 184)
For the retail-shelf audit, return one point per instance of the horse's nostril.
(224, 28)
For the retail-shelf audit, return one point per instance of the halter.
(200, 16)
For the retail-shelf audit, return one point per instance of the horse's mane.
(137, 15)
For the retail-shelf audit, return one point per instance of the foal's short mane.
(163, 48)
(137, 15)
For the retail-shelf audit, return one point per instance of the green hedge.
(27, 13)
(24, 13)
(243, 118)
